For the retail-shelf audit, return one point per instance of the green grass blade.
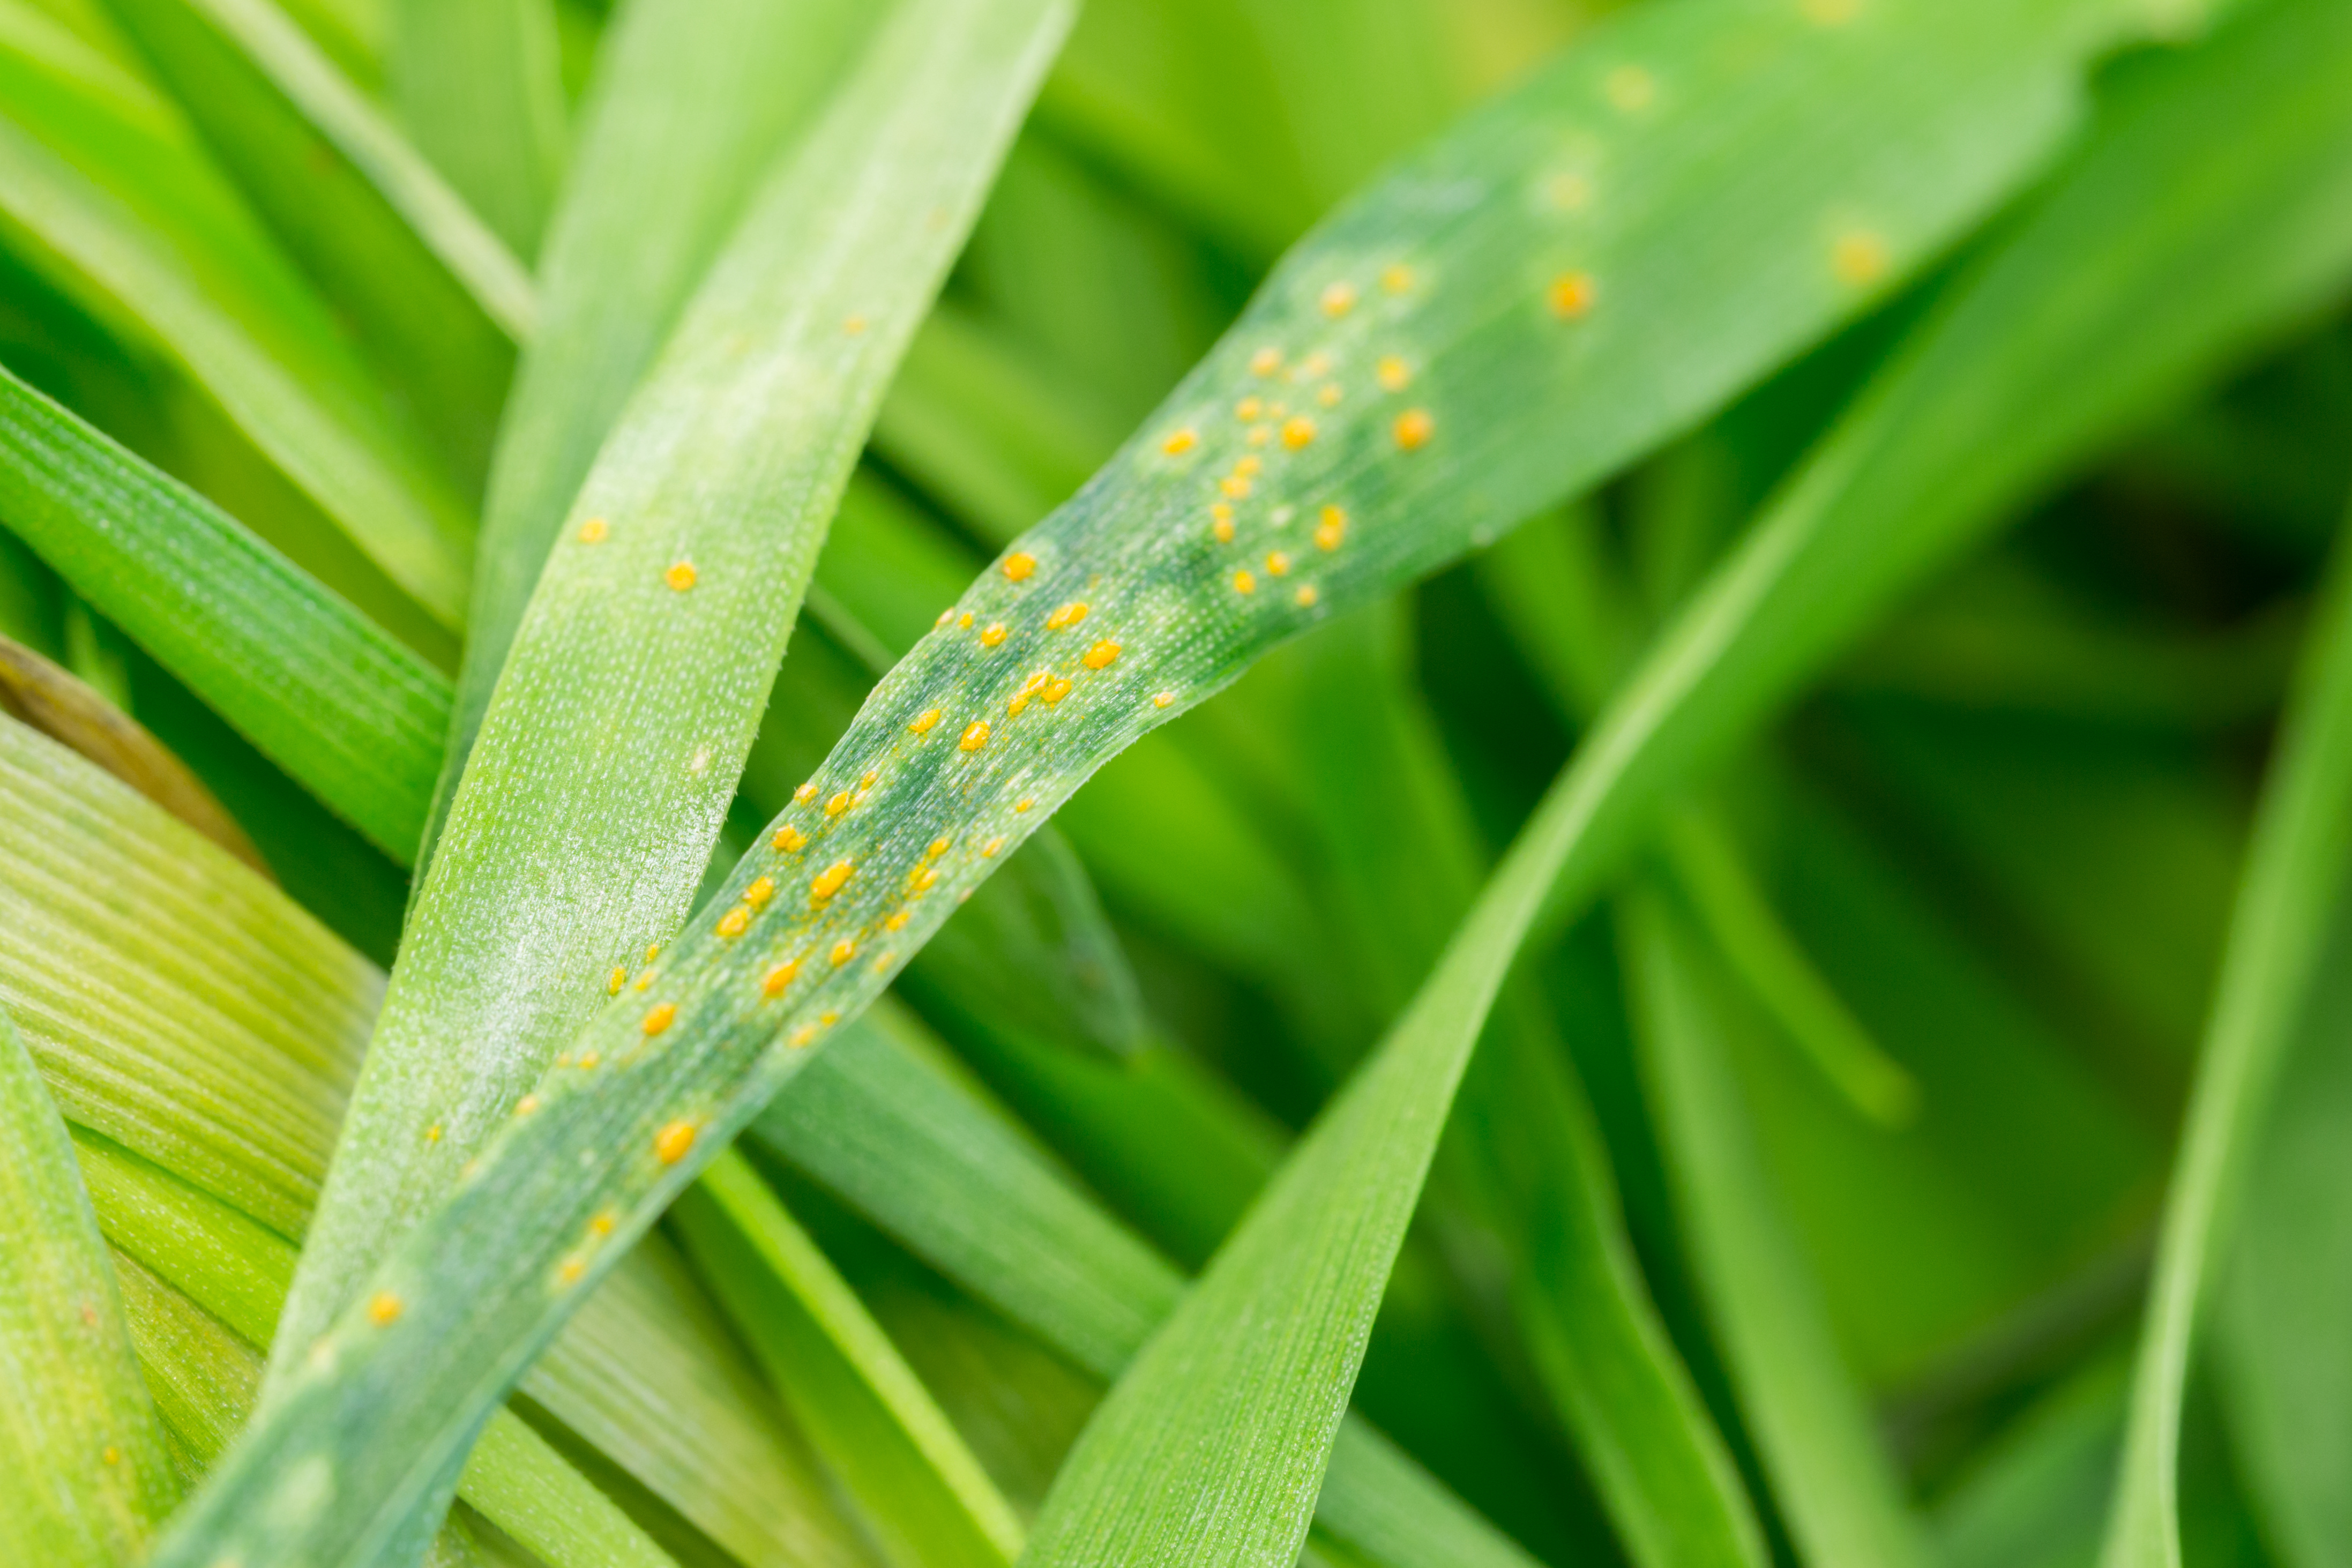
(718, 88)
(1835, 1482)
(357, 719)
(85, 1480)
(707, 506)
(106, 192)
(221, 56)
(2280, 1369)
(57, 703)
(194, 1015)
(965, 1191)
(232, 1017)
(1136, 543)
(864, 1408)
(1710, 872)
(480, 89)
(2290, 894)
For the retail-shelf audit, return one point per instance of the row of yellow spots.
(680, 574)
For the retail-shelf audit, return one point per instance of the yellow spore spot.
(993, 845)
(1630, 88)
(963, 621)
(926, 717)
(645, 979)
(992, 634)
(1337, 300)
(1024, 802)
(384, 1309)
(1069, 615)
(526, 1105)
(830, 880)
(1277, 564)
(1248, 409)
(1331, 529)
(1100, 655)
(1017, 705)
(1306, 596)
(921, 877)
(433, 1133)
(1248, 465)
(882, 962)
(1180, 442)
(112, 1456)
(1327, 395)
(673, 1142)
(762, 889)
(614, 981)
(588, 1060)
(596, 530)
(603, 1224)
(1019, 566)
(1858, 257)
(659, 1017)
(807, 793)
(1243, 583)
(1394, 373)
(788, 839)
(896, 920)
(1236, 485)
(1412, 429)
(734, 922)
(1223, 529)
(680, 576)
(1163, 700)
(1570, 295)
(1055, 690)
(572, 1270)
(1396, 278)
(1298, 431)
(1266, 361)
(772, 983)
(853, 325)
(940, 847)
(975, 735)
(842, 951)
(803, 1036)
(839, 804)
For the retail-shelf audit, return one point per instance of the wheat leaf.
(353, 716)
(1469, 294)
(107, 192)
(85, 1480)
(479, 88)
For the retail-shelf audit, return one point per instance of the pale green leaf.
(866, 1412)
(480, 87)
(607, 758)
(85, 1478)
(107, 193)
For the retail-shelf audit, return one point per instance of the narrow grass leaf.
(50, 698)
(719, 86)
(963, 1189)
(1421, 269)
(191, 1007)
(869, 1416)
(1834, 1481)
(478, 84)
(85, 1480)
(106, 192)
(350, 714)
(221, 56)
(2290, 895)
(608, 757)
